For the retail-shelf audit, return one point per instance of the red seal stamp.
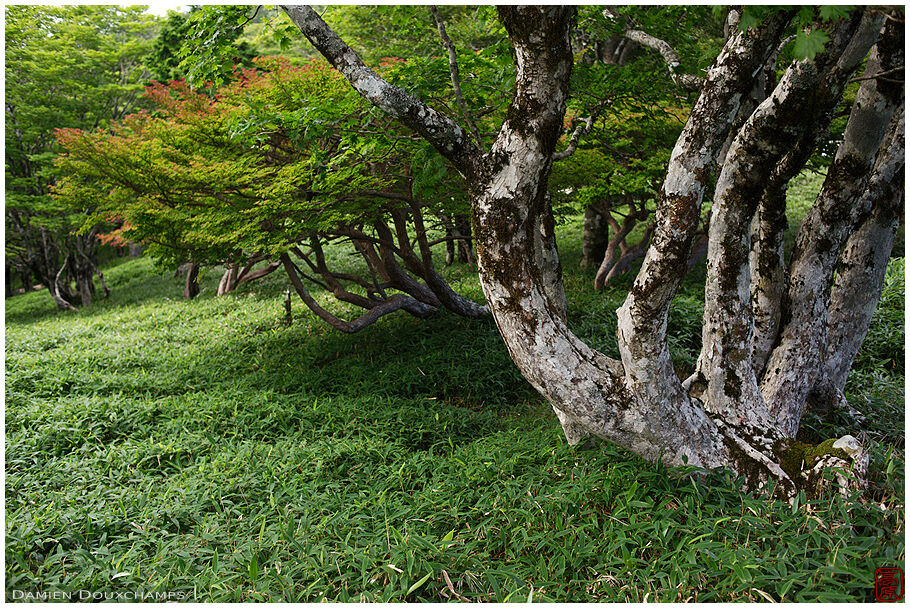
(889, 584)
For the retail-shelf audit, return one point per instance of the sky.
(161, 8)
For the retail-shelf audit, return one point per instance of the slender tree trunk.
(463, 230)
(595, 236)
(26, 277)
(191, 285)
(860, 278)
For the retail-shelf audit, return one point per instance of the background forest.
(177, 421)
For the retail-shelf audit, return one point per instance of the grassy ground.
(155, 444)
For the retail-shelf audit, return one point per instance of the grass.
(202, 447)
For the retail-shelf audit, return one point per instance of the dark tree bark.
(191, 284)
(595, 237)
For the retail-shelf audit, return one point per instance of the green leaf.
(833, 12)
(418, 584)
(808, 44)
(254, 568)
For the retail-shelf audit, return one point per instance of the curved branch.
(396, 302)
(580, 131)
(442, 132)
(686, 82)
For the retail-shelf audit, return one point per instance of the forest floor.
(206, 449)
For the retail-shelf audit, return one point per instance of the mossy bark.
(638, 402)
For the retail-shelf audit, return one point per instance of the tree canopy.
(77, 67)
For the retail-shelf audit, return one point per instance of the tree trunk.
(860, 277)
(86, 289)
(595, 236)
(463, 230)
(725, 376)
(638, 402)
(26, 277)
(136, 250)
(228, 281)
(794, 362)
(191, 285)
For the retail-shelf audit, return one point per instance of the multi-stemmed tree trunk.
(64, 263)
(735, 411)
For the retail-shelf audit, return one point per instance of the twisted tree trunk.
(721, 416)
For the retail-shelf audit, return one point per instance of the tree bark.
(637, 403)
(726, 381)
(463, 232)
(595, 237)
(794, 362)
(191, 285)
(860, 275)
(642, 327)
(228, 281)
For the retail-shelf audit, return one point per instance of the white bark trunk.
(775, 128)
(642, 326)
(793, 365)
(860, 277)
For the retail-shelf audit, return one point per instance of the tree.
(281, 162)
(742, 407)
(66, 67)
(630, 95)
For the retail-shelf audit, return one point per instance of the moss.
(795, 456)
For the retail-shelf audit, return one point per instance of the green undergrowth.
(156, 444)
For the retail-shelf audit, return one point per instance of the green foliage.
(624, 157)
(281, 153)
(398, 31)
(242, 173)
(66, 66)
(884, 347)
(808, 23)
(208, 51)
(207, 449)
(165, 59)
(808, 44)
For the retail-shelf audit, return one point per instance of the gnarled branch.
(441, 131)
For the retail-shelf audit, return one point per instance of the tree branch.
(442, 132)
(580, 131)
(687, 82)
(396, 302)
(456, 79)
